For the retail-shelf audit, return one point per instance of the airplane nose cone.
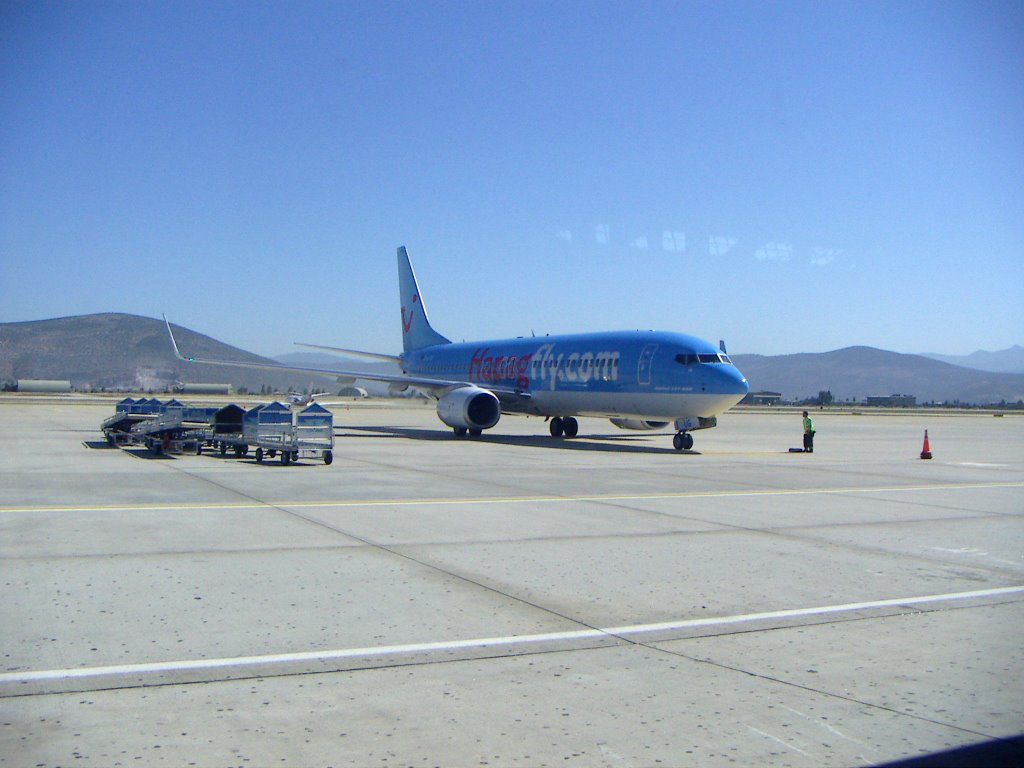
(734, 382)
(729, 387)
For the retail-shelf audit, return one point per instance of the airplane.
(298, 399)
(640, 380)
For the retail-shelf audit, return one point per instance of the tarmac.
(515, 600)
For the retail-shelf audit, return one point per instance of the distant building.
(43, 385)
(892, 401)
(762, 398)
(189, 388)
(352, 392)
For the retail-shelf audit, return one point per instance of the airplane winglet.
(174, 344)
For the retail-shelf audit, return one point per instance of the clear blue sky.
(788, 176)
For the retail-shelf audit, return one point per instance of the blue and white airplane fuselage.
(626, 374)
(638, 379)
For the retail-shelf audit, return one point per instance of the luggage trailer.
(161, 427)
(271, 429)
(274, 432)
(172, 427)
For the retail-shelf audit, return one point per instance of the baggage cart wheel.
(328, 457)
(259, 455)
(286, 457)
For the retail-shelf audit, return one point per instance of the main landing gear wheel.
(567, 426)
(459, 431)
(682, 441)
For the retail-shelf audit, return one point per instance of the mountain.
(856, 372)
(1004, 361)
(128, 352)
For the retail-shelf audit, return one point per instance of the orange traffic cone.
(926, 451)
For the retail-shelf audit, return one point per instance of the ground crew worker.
(808, 434)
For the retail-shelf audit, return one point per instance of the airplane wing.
(433, 387)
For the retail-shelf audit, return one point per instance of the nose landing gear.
(682, 441)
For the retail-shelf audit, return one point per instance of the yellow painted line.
(511, 499)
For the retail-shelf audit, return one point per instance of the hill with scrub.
(121, 352)
(855, 373)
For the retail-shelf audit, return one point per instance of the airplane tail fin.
(416, 330)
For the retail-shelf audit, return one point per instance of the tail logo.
(407, 324)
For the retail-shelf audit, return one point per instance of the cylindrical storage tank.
(205, 389)
(43, 385)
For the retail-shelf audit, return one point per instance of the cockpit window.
(689, 358)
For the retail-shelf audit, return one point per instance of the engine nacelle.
(639, 424)
(469, 408)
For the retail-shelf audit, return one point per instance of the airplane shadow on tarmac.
(998, 753)
(145, 453)
(608, 443)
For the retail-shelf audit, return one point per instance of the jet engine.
(638, 424)
(469, 408)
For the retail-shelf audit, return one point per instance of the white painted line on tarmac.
(819, 611)
(512, 641)
(286, 658)
(509, 499)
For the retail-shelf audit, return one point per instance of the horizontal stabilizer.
(351, 352)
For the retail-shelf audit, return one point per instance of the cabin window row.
(598, 364)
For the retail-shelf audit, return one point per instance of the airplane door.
(643, 371)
